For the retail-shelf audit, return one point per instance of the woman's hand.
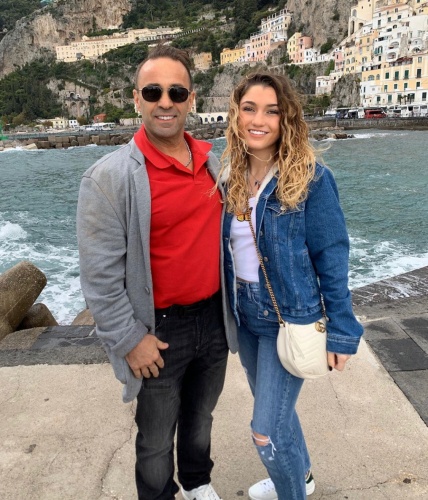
(337, 361)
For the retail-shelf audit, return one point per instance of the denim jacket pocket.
(284, 222)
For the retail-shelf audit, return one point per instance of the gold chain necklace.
(190, 154)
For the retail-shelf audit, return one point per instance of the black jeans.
(181, 399)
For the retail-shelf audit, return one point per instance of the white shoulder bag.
(302, 349)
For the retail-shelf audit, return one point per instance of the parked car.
(374, 113)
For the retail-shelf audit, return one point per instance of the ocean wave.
(10, 231)
(372, 135)
(370, 262)
(63, 296)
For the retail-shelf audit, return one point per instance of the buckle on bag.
(319, 326)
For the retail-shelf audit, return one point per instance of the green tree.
(327, 46)
(13, 10)
(243, 13)
(330, 67)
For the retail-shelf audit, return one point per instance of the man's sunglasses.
(153, 93)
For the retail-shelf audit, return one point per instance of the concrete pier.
(66, 434)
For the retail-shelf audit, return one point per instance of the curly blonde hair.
(295, 156)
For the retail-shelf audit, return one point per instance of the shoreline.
(120, 136)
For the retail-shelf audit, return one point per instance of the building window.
(378, 98)
(418, 73)
(385, 88)
(406, 74)
(424, 96)
(418, 85)
(406, 86)
(396, 75)
(419, 59)
(389, 98)
(387, 75)
(395, 86)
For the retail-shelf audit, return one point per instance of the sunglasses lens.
(178, 94)
(151, 93)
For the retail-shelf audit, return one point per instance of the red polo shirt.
(185, 225)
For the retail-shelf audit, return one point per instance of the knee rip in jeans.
(266, 447)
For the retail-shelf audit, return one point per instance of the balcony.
(393, 45)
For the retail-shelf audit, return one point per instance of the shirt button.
(261, 233)
(265, 313)
(147, 289)
(265, 259)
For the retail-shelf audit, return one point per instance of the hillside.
(68, 20)
(27, 52)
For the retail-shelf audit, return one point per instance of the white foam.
(10, 231)
(373, 262)
(370, 135)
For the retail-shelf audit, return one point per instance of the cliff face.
(48, 27)
(322, 20)
(346, 92)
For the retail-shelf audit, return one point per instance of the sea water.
(382, 179)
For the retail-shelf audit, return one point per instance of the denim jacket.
(305, 251)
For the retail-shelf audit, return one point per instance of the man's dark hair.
(170, 52)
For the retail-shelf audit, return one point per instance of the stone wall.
(385, 123)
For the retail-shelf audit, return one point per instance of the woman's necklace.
(258, 182)
(190, 154)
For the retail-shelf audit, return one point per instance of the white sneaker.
(265, 489)
(204, 492)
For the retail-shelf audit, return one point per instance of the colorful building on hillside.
(203, 61)
(93, 47)
(258, 47)
(296, 46)
(230, 56)
(277, 24)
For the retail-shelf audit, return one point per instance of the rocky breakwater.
(114, 138)
(20, 286)
(208, 132)
(318, 135)
(62, 141)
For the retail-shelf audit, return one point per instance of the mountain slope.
(55, 25)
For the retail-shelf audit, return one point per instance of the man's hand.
(145, 359)
(337, 361)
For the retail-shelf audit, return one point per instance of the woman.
(273, 177)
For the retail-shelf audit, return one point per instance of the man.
(148, 226)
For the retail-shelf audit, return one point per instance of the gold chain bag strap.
(302, 349)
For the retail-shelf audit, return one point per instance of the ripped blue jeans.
(275, 392)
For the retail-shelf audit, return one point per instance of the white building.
(213, 117)
(277, 24)
(325, 84)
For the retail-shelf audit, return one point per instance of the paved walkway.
(395, 316)
(65, 434)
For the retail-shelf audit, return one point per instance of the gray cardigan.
(113, 231)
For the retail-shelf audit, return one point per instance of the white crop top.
(244, 252)
(242, 242)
